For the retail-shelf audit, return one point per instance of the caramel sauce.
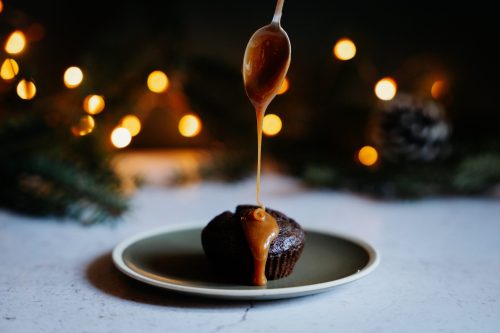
(260, 230)
(265, 64)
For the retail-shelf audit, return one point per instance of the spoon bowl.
(266, 61)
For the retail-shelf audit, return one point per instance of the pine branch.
(477, 172)
(46, 172)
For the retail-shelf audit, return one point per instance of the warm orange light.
(15, 43)
(437, 89)
(190, 125)
(121, 137)
(9, 69)
(26, 89)
(84, 126)
(1, 6)
(132, 123)
(344, 49)
(73, 76)
(368, 156)
(272, 125)
(93, 104)
(284, 87)
(158, 82)
(386, 89)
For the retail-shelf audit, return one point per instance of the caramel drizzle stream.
(260, 227)
(260, 122)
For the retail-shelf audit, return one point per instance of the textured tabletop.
(439, 270)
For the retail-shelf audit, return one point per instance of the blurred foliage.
(328, 113)
(46, 171)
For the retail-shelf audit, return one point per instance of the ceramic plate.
(172, 258)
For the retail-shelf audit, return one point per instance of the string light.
(84, 126)
(73, 76)
(26, 89)
(386, 89)
(15, 43)
(368, 156)
(190, 125)
(158, 82)
(344, 49)
(121, 137)
(93, 104)
(272, 125)
(132, 124)
(9, 69)
(437, 89)
(284, 87)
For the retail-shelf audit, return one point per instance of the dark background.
(329, 113)
(404, 40)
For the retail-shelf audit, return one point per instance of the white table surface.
(440, 267)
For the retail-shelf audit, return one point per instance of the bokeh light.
(272, 125)
(93, 104)
(1, 6)
(190, 125)
(284, 87)
(16, 42)
(73, 76)
(158, 82)
(386, 89)
(84, 126)
(26, 89)
(368, 155)
(132, 123)
(437, 89)
(344, 49)
(9, 69)
(121, 137)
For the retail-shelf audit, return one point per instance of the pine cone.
(412, 129)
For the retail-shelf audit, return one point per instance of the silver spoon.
(266, 61)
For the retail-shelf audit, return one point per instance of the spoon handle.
(278, 11)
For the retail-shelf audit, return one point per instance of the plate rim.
(117, 257)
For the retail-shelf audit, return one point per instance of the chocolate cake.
(226, 246)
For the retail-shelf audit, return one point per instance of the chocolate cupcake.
(226, 244)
